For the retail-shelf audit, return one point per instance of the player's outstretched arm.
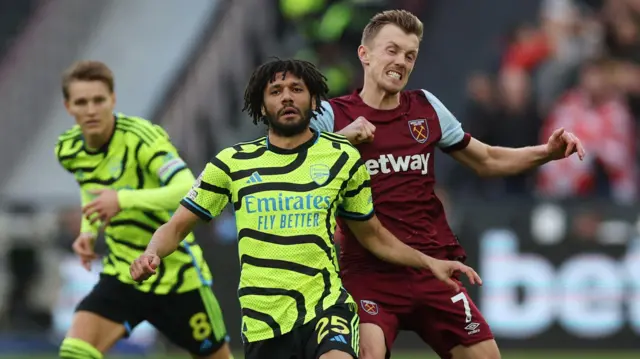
(493, 161)
(384, 245)
(164, 242)
(166, 197)
(159, 159)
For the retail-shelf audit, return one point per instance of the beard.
(289, 128)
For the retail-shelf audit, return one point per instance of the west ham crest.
(369, 307)
(419, 130)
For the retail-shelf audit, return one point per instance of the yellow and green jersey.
(285, 203)
(138, 157)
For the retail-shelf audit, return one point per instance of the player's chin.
(392, 87)
(290, 119)
(92, 129)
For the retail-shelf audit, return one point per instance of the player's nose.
(286, 96)
(91, 109)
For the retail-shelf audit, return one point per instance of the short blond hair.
(403, 19)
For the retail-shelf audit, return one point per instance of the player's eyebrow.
(394, 44)
(279, 84)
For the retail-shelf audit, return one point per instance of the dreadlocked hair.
(315, 81)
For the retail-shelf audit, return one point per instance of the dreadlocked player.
(286, 189)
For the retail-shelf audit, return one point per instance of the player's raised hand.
(359, 131)
(83, 247)
(444, 270)
(144, 267)
(563, 144)
(104, 207)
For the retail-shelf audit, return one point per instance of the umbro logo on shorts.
(369, 307)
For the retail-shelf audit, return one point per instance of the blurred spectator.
(517, 126)
(501, 114)
(69, 220)
(596, 113)
(573, 35)
(528, 47)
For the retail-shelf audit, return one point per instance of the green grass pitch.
(532, 354)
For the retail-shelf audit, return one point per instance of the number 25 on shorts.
(199, 322)
(336, 324)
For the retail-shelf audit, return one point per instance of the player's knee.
(372, 342)
(336, 354)
(72, 348)
(372, 351)
(484, 350)
(223, 353)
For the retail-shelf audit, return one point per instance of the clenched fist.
(359, 131)
(144, 267)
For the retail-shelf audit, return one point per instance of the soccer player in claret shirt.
(286, 189)
(131, 180)
(410, 125)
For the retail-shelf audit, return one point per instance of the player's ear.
(263, 111)
(314, 103)
(67, 106)
(363, 54)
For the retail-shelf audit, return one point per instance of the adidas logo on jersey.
(206, 345)
(255, 178)
(390, 163)
(339, 339)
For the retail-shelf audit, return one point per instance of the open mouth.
(394, 75)
(289, 111)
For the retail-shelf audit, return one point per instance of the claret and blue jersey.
(400, 161)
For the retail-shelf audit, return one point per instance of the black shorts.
(335, 329)
(192, 320)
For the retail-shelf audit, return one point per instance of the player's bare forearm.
(167, 238)
(384, 245)
(157, 199)
(348, 134)
(494, 161)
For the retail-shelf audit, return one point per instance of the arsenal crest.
(369, 307)
(419, 130)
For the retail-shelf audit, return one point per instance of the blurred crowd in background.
(577, 67)
(574, 66)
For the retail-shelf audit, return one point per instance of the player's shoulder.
(421, 95)
(351, 100)
(72, 134)
(248, 146)
(68, 144)
(241, 151)
(428, 97)
(337, 142)
(140, 128)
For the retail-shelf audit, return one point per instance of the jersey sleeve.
(357, 202)
(67, 148)
(161, 158)
(453, 136)
(211, 191)
(323, 122)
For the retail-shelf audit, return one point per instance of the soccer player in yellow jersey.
(286, 189)
(131, 179)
